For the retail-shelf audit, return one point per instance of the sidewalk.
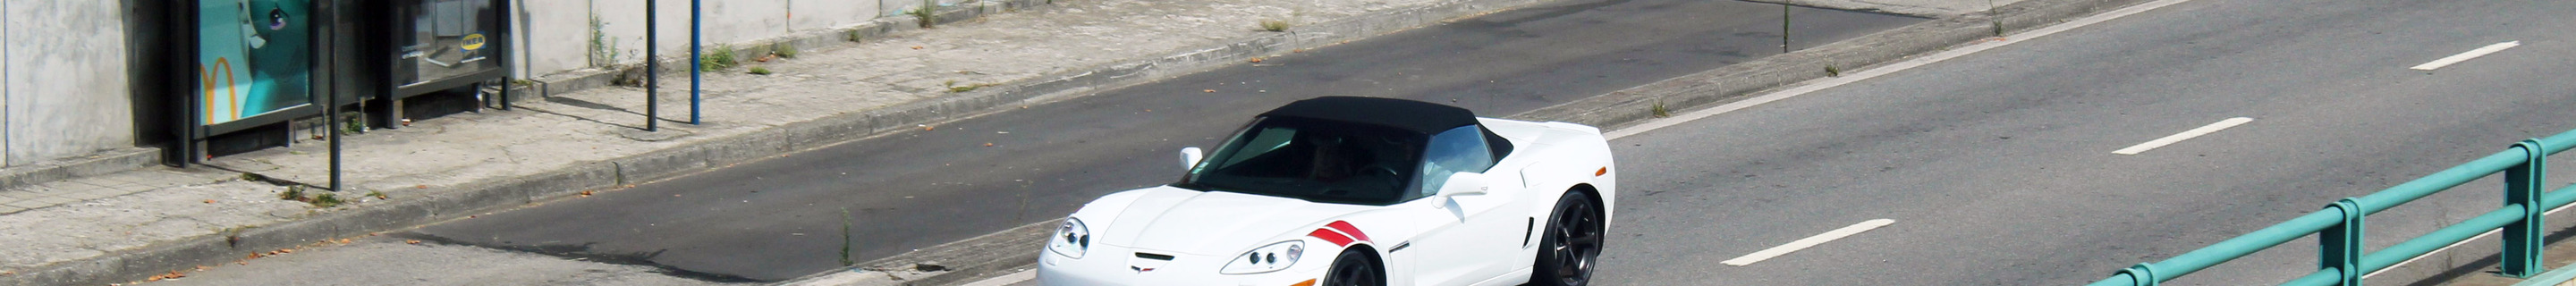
(148, 224)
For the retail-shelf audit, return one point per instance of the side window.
(1460, 149)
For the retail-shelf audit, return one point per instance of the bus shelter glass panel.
(253, 57)
(444, 39)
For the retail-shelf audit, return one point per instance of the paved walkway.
(100, 187)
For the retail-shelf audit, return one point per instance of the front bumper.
(1112, 265)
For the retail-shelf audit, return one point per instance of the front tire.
(1354, 268)
(1572, 243)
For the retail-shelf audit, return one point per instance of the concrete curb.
(459, 201)
(102, 163)
(1713, 87)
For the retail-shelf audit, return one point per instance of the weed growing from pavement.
(377, 194)
(325, 201)
(854, 36)
(1998, 22)
(603, 50)
(759, 71)
(783, 50)
(1831, 71)
(232, 235)
(926, 14)
(1660, 111)
(355, 125)
(845, 238)
(293, 193)
(954, 88)
(1274, 25)
(719, 58)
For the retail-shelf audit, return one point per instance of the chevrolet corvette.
(1342, 191)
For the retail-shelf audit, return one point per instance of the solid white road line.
(1811, 241)
(1007, 279)
(2455, 244)
(1830, 82)
(2185, 135)
(2471, 54)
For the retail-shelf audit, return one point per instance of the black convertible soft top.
(1412, 116)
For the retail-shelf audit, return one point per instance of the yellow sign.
(472, 42)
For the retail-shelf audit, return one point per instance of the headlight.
(1275, 257)
(1071, 239)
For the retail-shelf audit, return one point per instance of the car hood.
(1213, 223)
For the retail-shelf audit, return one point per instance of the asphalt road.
(782, 218)
(1997, 167)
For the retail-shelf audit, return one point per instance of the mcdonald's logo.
(232, 94)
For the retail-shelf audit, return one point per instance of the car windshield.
(1313, 160)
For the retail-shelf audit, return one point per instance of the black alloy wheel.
(1354, 269)
(1572, 243)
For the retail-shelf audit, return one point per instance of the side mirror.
(1463, 184)
(1189, 157)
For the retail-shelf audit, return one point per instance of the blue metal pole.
(652, 81)
(2522, 187)
(2339, 247)
(695, 49)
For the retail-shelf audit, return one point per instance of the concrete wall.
(555, 34)
(65, 92)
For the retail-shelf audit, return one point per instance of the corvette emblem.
(1141, 269)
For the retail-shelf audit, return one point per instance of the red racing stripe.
(1329, 236)
(1346, 227)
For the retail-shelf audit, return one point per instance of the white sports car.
(1357, 191)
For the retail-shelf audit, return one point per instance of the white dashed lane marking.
(2185, 135)
(2471, 54)
(1804, 243)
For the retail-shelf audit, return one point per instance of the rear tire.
(1354, 268)
(1572, 243)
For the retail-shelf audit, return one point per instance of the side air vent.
(1153, 256)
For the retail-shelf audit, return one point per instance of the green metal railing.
(2341, 260)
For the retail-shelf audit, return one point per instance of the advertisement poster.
(252, 57)
(446, 41)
